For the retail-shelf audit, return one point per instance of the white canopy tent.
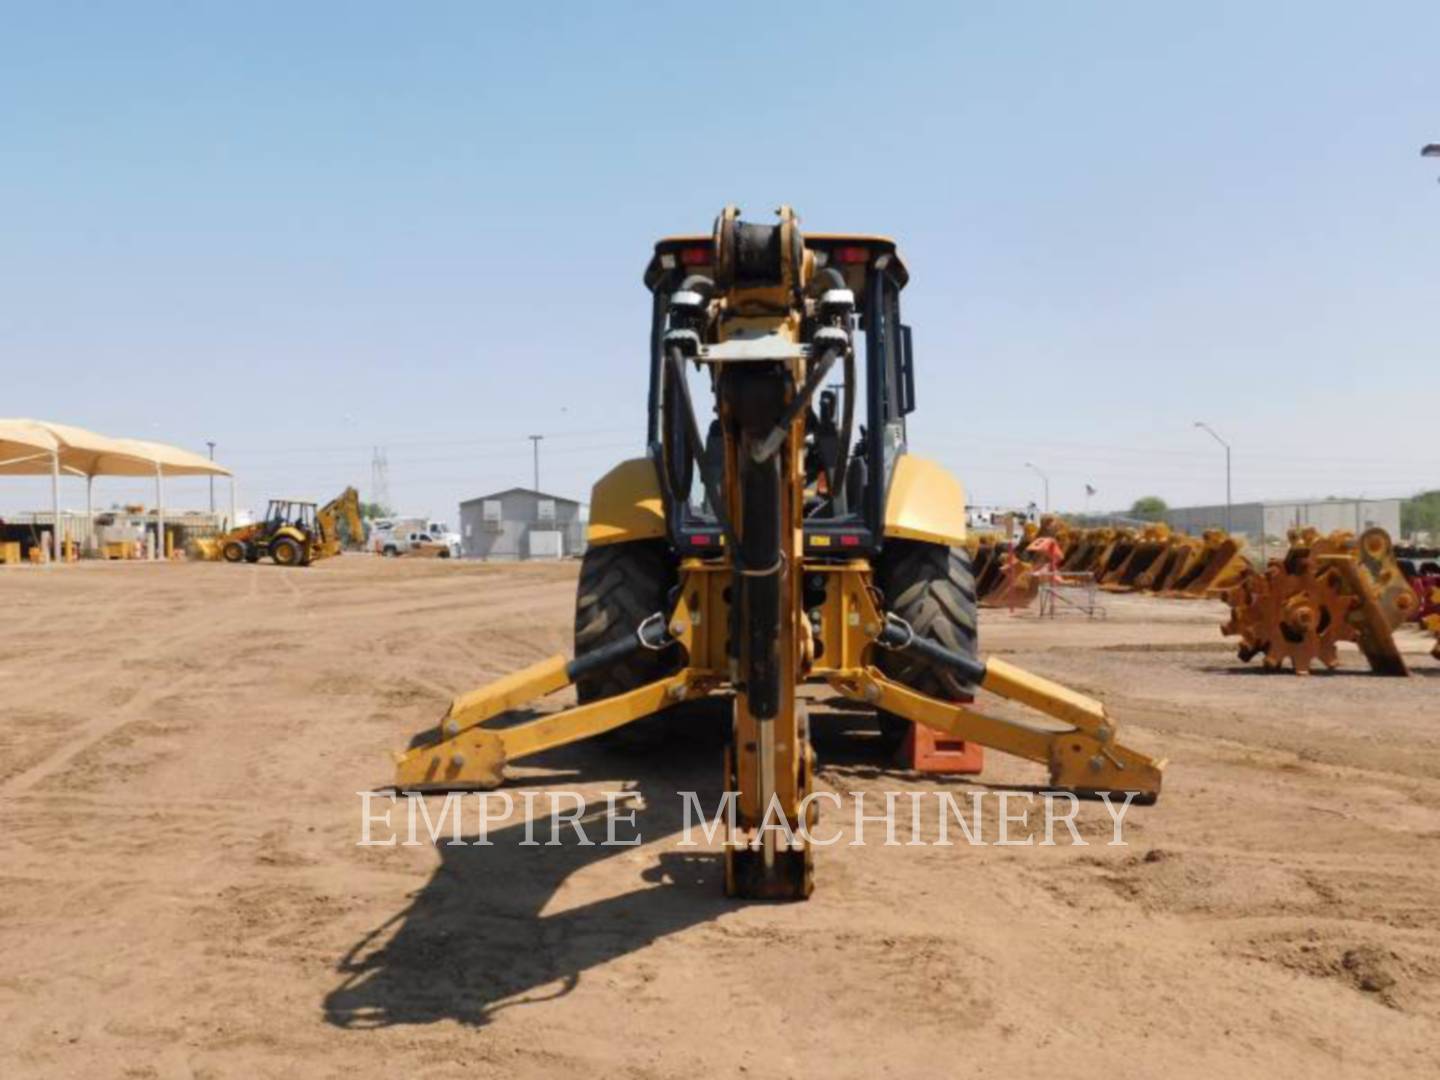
(38, 448)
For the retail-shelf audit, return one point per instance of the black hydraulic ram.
(651, 634)
(900, 636)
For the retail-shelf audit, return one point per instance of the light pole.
(535, 439)
(1206, 427)
(211, 445)
(1040, 473)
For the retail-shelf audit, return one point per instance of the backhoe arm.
(346, 507)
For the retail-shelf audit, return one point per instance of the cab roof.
(826, 244)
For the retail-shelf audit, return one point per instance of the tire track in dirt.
(191, 635)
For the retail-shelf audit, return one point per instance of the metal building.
(521, 523)
(1268, 522)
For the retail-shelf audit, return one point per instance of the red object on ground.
(929, 751)
(1048, 548)
(1427, 588)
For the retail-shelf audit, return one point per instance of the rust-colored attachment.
(1155, 560)
(1433, 623)
(1132, 565)
(1220, 564)
(1003, 577)
(1326, 589)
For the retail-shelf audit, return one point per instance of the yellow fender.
(925, 503)
(625, 504)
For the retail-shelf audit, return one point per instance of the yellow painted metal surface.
(471, 756)
(509, 692)
(625, 504)
(925, 503)
(1082, 757)
(344, 507)
(1042, 695)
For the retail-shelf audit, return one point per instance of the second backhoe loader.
(295, 533)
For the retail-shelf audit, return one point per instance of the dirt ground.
(182, 894)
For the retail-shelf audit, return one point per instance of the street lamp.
(1206, 427)
(1038, 472)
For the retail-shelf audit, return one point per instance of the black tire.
(234, 551)
(932, 588)
(621, 585)
(286, 552)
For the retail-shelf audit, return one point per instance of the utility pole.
(1038, 472)
(1206, 427)
(535, 439)
(211, 445)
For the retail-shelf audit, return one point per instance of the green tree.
(371, 510)
(1149, 508)
(1421, 514)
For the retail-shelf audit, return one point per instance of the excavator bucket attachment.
(1086, 551)
(1003, 578)
(1139, 557)
(1012, 584)
(1114, 556)
(1220, 565)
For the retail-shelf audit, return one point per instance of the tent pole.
(55, 506)
(232, 502)
(159, 552)
(89, 513)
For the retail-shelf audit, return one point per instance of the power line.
(272, 450)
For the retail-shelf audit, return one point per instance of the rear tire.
(621, 585)
(286, 552)
(932, 588)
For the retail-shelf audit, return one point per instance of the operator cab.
(847, 470)
(283, 512)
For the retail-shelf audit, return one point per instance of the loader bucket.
(1222, 568)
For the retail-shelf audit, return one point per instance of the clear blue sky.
(304, 230)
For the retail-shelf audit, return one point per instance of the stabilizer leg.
(1083, 758)
(474, 757)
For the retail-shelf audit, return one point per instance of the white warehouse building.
(521, 523)
(1270, 521)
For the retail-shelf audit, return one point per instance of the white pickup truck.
(431, 539)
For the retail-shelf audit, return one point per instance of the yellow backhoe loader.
(295, 533)
(764, 543)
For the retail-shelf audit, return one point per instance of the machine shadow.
(476, 938)
(1318, 671)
